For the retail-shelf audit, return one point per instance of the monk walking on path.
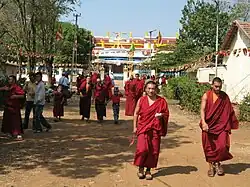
(217, 120)
(150, 123)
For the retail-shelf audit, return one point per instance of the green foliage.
(198, 31)
(65, 46)
(187, 91)
(245, 109)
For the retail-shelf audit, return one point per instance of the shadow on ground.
(172, 170)
(236, 168)
(77, 149)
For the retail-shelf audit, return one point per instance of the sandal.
(140, 174)
(211, 172)
(219, 169)
(148, 175)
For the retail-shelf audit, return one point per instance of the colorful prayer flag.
(159, 38)
(132, 47)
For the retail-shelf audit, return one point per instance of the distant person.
(100, 100)
(116, 98)
(12, 122)
(85, 90)
(30, 89)
(58, 110)
(217, 121)
(39, 102)
(131, 96)
(64, 82)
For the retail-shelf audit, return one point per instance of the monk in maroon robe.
(130, 90)
(217, 120)
(85, 98)
(12, 123)
(58, 110)
(139, 87)
(150, 123)
(100, 100)
(108, 85)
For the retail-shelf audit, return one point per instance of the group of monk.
(92, 85)
(150, 112)
(151, 122)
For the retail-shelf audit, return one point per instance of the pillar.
(102, 72)
(152, 72)
(125, 74)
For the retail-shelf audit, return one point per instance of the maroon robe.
(149, 131)
(221, 119)
(108, 85)
(58, 109)
(139, 88)
(12, 122)
(100, 105)
(130, 98)
(85, 99)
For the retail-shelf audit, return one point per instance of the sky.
(136, 16)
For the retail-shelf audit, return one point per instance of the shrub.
(187, 91)
(245, 109)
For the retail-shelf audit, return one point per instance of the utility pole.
(74, 53)
(217, 37)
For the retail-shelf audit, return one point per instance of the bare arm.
(136, 116)
(203, 107)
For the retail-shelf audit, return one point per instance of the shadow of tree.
(172, 170)
(236, 169)
(76, 149)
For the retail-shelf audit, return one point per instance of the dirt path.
(77, 154)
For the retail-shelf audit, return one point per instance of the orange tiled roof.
(243, 26)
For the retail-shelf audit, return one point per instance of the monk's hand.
(158, 115)
(204, 127)
(134, 130)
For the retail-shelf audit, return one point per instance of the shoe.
(140, 173)
(211, 172)
(219, 169)
(48, 129)
(148, 175)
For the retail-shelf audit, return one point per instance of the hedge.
(244, 107)
(187, 91)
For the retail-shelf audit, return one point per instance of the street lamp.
(150, 39)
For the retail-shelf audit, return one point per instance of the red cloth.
(85, 99)
(99, 92)
(221, 119)
(163, 81)
(94, 78)
(139, 88)
(58, 109)
(116, 98)
(12, 122)
(149, 131)
(130, 98)
(109, 85)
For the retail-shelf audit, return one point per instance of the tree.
(65, 46)
(198, 32)
(241, 11)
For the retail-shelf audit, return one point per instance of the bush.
(187, 91)
(245, 109)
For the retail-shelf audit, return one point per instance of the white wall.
(204, 74)
(237, 77)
